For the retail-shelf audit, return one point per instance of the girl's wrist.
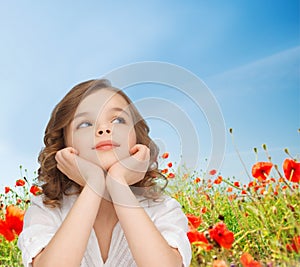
(116, 178)
(97, 183)
(120, 192)
(91, 191)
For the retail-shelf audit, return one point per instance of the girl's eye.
(118, 120)
(84, 125)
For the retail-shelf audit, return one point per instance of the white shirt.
(41, 223)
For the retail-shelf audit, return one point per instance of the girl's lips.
(106, 145)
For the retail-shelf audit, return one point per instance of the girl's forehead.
(102, 99)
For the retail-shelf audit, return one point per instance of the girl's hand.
(132, 169)
(79, 170)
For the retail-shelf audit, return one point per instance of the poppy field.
(14, 201)
(230, 223)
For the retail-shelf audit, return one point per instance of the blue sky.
(246, 52)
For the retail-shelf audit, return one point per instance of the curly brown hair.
(55, 184)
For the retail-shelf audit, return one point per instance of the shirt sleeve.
(173, 225)
(40, 225)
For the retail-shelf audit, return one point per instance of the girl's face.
(102, 130)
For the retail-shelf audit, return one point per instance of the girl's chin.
(107, 162)
(107, 159)
(106, 166)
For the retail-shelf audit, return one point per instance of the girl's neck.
(107, 211)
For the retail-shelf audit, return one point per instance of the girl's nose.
(107, 131)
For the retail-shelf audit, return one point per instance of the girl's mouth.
(106, 145)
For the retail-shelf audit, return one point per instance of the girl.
(100, 186)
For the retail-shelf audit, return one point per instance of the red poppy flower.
(170, 164)
(5, 231)
(222, 235)
(195, 236)
(256, 187)
(199, 239)
(251, 184)
(164, 171)
(237, 184)
(20, 182)
(229, 189)
(218, 180)
(194, 221)
(295, 245)
(248, 261)
(197, 180)
(262, 191)
(261, 170)
(171, 175)
(6, 189)
(291, 170)
(203, 210)
(13, 223)
(232, 197)
(165, 155)
(213, 172)
(35, 190)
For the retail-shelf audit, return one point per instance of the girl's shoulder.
(66, 202)
(39, 212)
(167, 213)
(38, 201)
(161, 200)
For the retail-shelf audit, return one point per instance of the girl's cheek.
(81, 143)
(132, 138)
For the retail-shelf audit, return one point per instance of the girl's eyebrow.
(80, 115)
(120, 109)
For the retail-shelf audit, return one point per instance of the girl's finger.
(58, 156)
(72, 150)
(134, 149)
(60, 167)
(143, 153)
(139, 149)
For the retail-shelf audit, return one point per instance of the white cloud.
(263, 74)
